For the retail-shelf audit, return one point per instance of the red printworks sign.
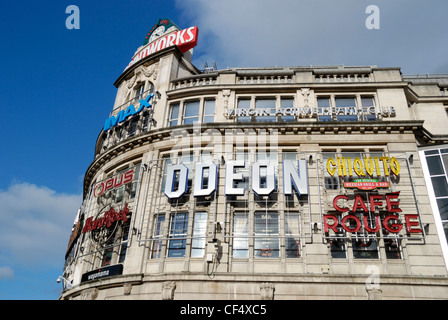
(184, 39)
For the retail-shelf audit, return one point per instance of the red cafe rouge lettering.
(375, 200)
(109, 217)
(113, 182)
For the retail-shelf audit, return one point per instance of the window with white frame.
(199, 234)
(323, 109)
(346, 108)
(437, 161)
(265, 104)
(191, 112)
(158, 230)
(177, 242)
(174, 114)
(209, 111)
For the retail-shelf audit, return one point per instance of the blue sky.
(56, 90)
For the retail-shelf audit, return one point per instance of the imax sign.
(130, 111)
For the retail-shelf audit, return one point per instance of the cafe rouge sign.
(384, 209)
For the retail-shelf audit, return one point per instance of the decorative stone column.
(168, 288)
(267, 291)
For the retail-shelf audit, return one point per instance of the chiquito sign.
(352, 213)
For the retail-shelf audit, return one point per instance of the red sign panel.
(184, 39)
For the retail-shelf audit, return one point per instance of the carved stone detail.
(127, 288)
(89, 294)
(267, 291)
(168, 288)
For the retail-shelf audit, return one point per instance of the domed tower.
(254, 183)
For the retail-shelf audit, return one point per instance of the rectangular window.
(240, 232)
(178, 233)
(287, 103)
(174, 114)
(266, 244)
(365, 248)
(108, 253)
(264, 107)
(392, 247)
(243, 104)
(209, 111)
(368, 108)
(345, 109)
(440, 186)
(166, 164)
(119, 192)
(159, 222)
(132, 129)
(323, 109)
(191, 112)
(331, 182)
(292, 233)
(124, 241)
(337, 248)
(199, 234)
(135, 181)
(139, 91)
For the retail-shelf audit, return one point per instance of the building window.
(244, 103)
(178, 233)
(266, 244)
(368, 108)
(292, 232)
(346, 109)
(159, 222)
(437, 161)
(191, 112)
(199, 234)
(392, 247)
(323, 109)
(287, 103)
(124, 241)
(240, 233)
(135, 181)
(209, 111)
(365, 248)
(132, 127)
(139, 91)
(264, 106)
(174, 114)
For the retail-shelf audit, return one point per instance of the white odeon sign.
(177, 178)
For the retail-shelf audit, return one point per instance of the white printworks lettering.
(177, 178)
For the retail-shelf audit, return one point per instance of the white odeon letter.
(199, 190)
(170, 178)
(231, 176)
(293, 179)
(270, 178)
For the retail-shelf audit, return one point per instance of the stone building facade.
(261, 183)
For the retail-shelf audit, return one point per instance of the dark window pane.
(443, 208)
(434, 165)
(440, 186)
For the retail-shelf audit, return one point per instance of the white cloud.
(6, 273)
(258, 33)
(35, 225)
